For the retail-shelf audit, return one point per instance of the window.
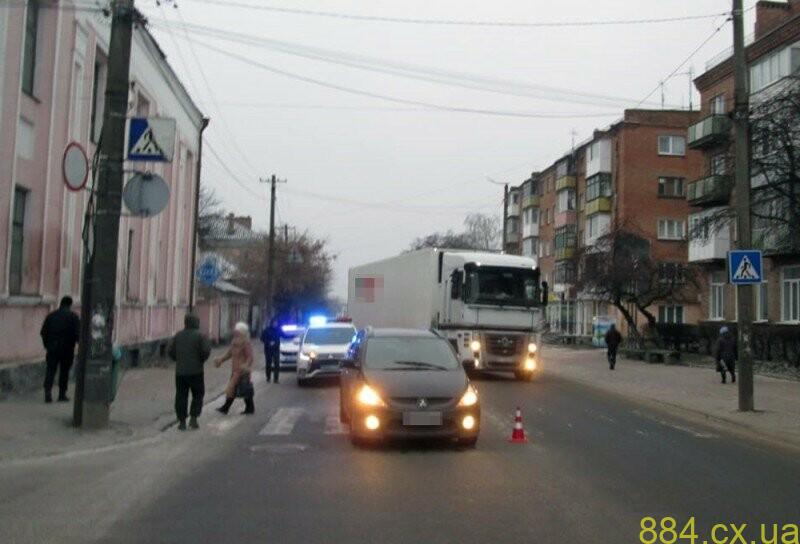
(530, 247)
(716, 106)
(670, 314)
(762, 302)
(564, 273)
(595, 224)
(670, 187)
(770, 69)
(564, 168)
(534, 215)
(17, 241)
(718, 164)
(672, 145)
(565, 236)
(716, 305)
(790, 294)
(98, 96)
(671, 229)
(566, 200)
(597, 186)
(671, 273)
(514, 198)
(29, 47)
(129, 265)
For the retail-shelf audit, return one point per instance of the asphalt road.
(594, 466)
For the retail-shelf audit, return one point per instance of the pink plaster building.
(52, 83)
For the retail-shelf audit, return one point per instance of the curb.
(717, 423)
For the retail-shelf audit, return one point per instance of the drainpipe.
(203, 126)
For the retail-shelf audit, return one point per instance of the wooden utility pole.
(273, 181)
(93, 373)
(741, 120)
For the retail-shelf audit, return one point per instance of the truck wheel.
(523, 376)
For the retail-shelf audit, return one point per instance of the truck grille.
(504, 344)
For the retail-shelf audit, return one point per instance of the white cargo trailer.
(488, 305)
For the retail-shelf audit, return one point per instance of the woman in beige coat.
(241, 356)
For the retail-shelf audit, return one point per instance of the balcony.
(710, 191)
(775, 241)
(710, 131)
(565, 218)
(715, 247)
(562, 253)
(529, 230)
(565, 182)
(598, 205)
(530, 201)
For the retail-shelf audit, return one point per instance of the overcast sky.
(394, 171)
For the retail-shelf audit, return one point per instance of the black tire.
(343, 416)
(356, 440)
(468, 442)
(301, 382)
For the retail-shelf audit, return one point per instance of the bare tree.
(482, 232)
(210, 204)
(620, 269)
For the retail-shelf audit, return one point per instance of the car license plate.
(422, 418)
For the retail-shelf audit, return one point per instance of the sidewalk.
(143, 408)
(692, 392)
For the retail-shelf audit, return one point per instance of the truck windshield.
(501, 286)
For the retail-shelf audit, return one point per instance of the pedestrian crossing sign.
(745, 267)
(151, 139)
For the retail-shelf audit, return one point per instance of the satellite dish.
(75, 167)
(146, 194)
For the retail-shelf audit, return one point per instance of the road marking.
(279, 448)
(224, 424)
(333, 425)
(675, 426)
(282, 422)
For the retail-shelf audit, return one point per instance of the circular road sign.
(208, 272)
(146, 194)
(75, 167)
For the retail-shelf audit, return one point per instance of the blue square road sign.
(745, 267)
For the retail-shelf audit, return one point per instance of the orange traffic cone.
(518, 434)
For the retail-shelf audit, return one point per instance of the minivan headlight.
(469, 398)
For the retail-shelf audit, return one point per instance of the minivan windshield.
(327, 336)
(409, 353)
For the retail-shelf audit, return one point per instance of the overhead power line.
(342, 88)
(407, 70)
(454, 22)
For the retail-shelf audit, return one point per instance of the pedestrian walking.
(241, 356)
(271, 337)
(60, 333)
(190, 348)
(613, 340)
(726, 353)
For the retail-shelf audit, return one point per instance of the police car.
(322, 348)
(290, 344)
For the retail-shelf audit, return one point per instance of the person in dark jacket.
(60, 333)
(726, 354)
(271, 337)
(613, 340)
(189, 349)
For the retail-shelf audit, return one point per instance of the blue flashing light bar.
(317, 320)
(289, 328)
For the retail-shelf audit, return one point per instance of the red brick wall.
(770, 15)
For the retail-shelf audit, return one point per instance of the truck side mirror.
(545, 293)
(456, 280)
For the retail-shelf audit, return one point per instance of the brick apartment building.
(772, 57)
(634, 171)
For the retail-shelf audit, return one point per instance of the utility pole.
(273, 181)
(195, 223)
(93, 373)
(741, 120)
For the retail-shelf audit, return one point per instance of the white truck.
(490, 306)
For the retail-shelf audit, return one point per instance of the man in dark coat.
(726, 354)
(189, 349)
(271, 337)
(60, 333)
(613, 340)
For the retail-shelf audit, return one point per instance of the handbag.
(245, 389)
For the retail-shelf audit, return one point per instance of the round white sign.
(146, 194)
(75, 167)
